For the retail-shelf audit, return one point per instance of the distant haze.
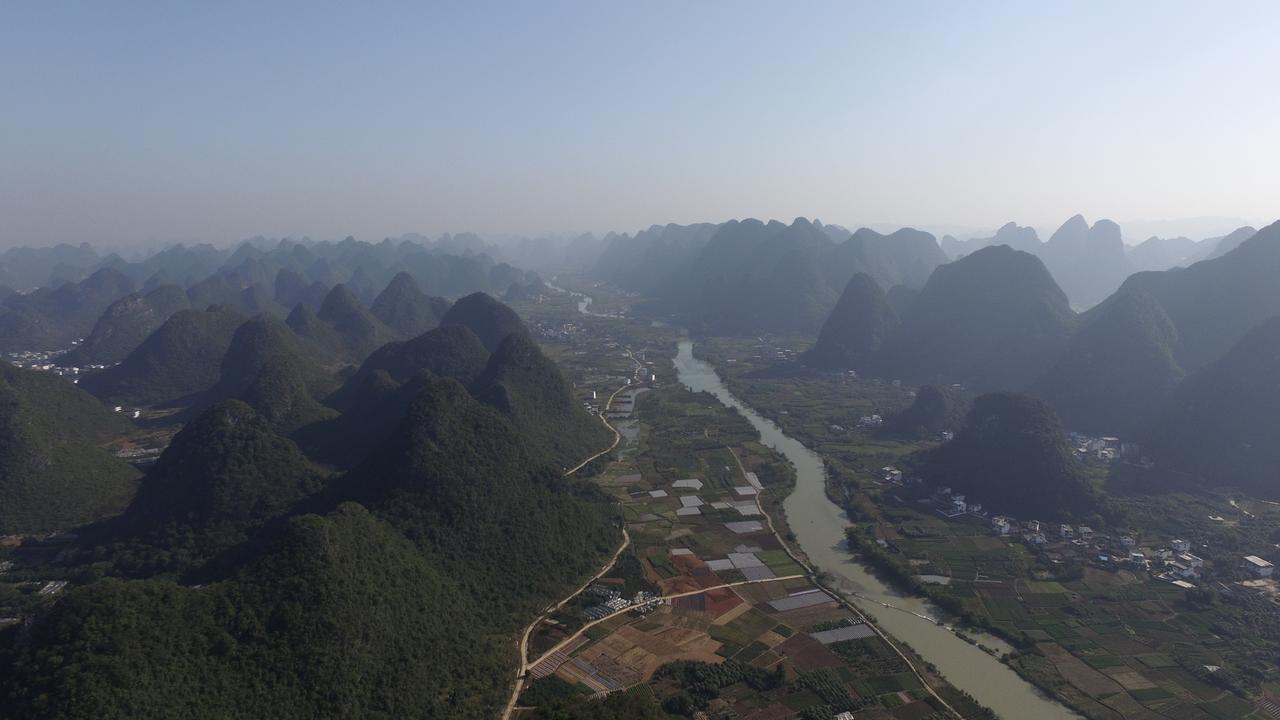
(134, 122)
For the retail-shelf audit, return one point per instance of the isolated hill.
(451, 351)
(174, 364)
(1089, 263)
(275, 373)
(404, 308)
(1220, 426)
(936, 408)
(53, 475)
(856, 329)
(1213, 303)
(489, 319)
(1012, 456)
(992, 319)
(50, 319)
(527, 387)
(125, 324)
(1117, 368)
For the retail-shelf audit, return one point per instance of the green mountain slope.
(528, 388)
(856, 328)
(489, 319)
(1220, 426)
(125, 324)
(452, 351)
(224, 475)
(340, 617)
(51, 318)
(1214, 303)
(936, 408)
(404, 308)
(358, 330)
(53, 475)
(1012, 456)
(273, 370)
(1116, 370)
(175, 363)
(343, 328)
(993, 319)
(459, 479)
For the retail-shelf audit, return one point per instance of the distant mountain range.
(750, 276)
(1091, 262)
(113, 304)
(1169, 357)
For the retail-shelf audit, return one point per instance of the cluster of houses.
(1174, 562)
(47, 361)
(1106, 449)
(556, 331)
(611, 601)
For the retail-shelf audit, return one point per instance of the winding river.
(819, 525)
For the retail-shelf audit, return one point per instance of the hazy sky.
(126, 121)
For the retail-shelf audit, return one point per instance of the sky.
(130, 122)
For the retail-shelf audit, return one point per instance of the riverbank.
(819, 526)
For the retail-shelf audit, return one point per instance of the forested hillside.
(994, 319)
(1011, 455)
(53, 474)
(451, 528)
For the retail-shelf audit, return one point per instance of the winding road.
(522, 671)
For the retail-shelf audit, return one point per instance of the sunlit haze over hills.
(127, 123)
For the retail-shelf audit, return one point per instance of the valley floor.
(1109, 638)
(709, 575)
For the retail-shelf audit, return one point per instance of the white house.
(1190, 560)
(1261, 568)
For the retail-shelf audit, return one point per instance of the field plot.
(738, 617)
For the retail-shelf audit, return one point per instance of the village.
(1059, 544)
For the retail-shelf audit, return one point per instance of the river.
(584, 300)
(819, 526)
